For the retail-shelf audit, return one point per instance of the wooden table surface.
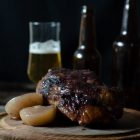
(10, 90)
(128, 127)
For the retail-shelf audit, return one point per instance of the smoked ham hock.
(81, 96)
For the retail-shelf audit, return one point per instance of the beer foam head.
(47, 47)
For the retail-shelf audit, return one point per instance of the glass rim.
(44, 22)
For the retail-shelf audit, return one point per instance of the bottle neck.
(87, 29)
(130, 21)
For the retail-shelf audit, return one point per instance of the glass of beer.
(44, 49)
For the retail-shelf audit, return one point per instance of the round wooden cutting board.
(128, 127)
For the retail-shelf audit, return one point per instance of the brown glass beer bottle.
(126, 56)
(87, 56)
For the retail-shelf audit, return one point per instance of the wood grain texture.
(126, 128)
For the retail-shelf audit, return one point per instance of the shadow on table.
(10, 90)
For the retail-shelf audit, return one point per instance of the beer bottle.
(125, 56)
(87, 56)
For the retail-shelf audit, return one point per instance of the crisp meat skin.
(81, 96)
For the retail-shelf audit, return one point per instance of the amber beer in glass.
(44, 49)
(126, 56)
(87, 56)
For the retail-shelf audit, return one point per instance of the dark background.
(14, 33)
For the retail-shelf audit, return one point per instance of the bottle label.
(47, 47)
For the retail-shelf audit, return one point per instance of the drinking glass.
(44, 49)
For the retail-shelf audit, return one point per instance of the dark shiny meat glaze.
(84, 94)
(76, 88)
(80, 94)
(68, 77)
